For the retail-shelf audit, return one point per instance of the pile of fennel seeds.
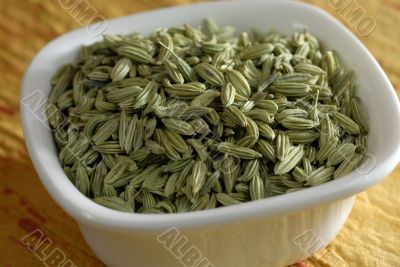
(196, 118)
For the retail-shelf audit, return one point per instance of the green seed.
(290, 161)
(210, 73)
(113, 203)
(193, 118)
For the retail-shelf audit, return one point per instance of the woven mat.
(370, 236)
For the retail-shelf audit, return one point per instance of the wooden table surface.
(371, 234)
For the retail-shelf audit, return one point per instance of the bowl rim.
(86, 211)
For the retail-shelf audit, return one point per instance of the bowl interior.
(374, 89)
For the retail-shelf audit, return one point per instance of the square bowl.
(267, 232)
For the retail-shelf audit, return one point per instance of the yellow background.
(371, 236)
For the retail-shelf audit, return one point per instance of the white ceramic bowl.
(273, 232)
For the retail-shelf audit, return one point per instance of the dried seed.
(210, 73)
(266, 150)
(123, 125)
(115, 174)
(282, 146)
(121, 69)
(173, 72)
(348, 165)
(182, 112)
(320, 175)
(228, 93)
(138, 137)
(164, 54)
(82, 180)
(340, 153)
(294, 156)
(291, 89)
(113, 203)
(149, 128)
(187, 90)
(105, 131)
(109, 191)
(210, 183)
(299, 174)
(154, 183)
(226, 200)
(130, 133)
(200, 126)
(135, 54)
(149, 202)
(237, 116)
(328, 131)
(256, 188)
(358, 115)
(147, 173)
(176, 141)
(110, 147)
(154, 147)
(256, 51)
(138, 130)
(239, 152)
(266, 131)
(139, 155)
(247, 141)
(212, 117)
(200, 204)
(309, 68)
(346, 123)
(146, 95)
(55, 117)
(167, 206)
(170, 186)
(229, 173)
(197, 178)
(294, 123)
(199, 147)
(260, 115)
(250, 171)
(302, 137)
(205, 99)
(187, 71)
(98, 179)
(308, 168)
(252, 129)
(178, 126)
(291, 112)
(267, 105)
(326, 150)
(239, 82)
(291, 183)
